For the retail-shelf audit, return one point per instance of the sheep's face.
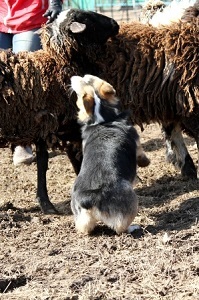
(86, 26)
(96, 99)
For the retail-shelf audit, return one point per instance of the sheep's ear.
(88, 101)
(77, 27)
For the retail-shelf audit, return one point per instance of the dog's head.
(96, 99)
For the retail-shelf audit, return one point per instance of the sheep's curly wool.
(154, 70)
(32, 96)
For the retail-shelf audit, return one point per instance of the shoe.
(22, 155)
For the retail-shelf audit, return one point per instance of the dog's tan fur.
(85, 101)
(103, 88)
(85, 96)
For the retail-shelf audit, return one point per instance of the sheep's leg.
(74, 152)
(177, 152)
(197, 142)
(42, 167)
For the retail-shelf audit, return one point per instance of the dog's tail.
(89, 198)
(86, 203)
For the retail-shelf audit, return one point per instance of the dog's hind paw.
(132, 228)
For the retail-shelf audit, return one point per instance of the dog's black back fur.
(109, 160)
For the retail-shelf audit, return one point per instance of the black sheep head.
(87, 27)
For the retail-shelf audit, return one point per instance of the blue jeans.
(24, 41)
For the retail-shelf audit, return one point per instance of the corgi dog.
(103, 189)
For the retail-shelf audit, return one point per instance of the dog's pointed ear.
(107, 92)
(88, 100)
(102, 87)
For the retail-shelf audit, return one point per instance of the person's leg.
(5, 40)
(25, 41)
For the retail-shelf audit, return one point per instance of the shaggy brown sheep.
(156, 73)
(34, 88)
(153, 14)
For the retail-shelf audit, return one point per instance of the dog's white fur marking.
(85, 222)
(99, 119)
(77, 84)
(89, 79)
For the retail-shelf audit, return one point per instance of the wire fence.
(120, 10)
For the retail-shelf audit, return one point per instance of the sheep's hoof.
(47, 207)
(189, 170)
(189, 173)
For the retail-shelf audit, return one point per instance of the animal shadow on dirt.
(179, 219)
(62, 207)
(170, 201)
(153, 144)
(182, 218)
(164, 189)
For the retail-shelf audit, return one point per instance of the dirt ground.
(42, 256)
